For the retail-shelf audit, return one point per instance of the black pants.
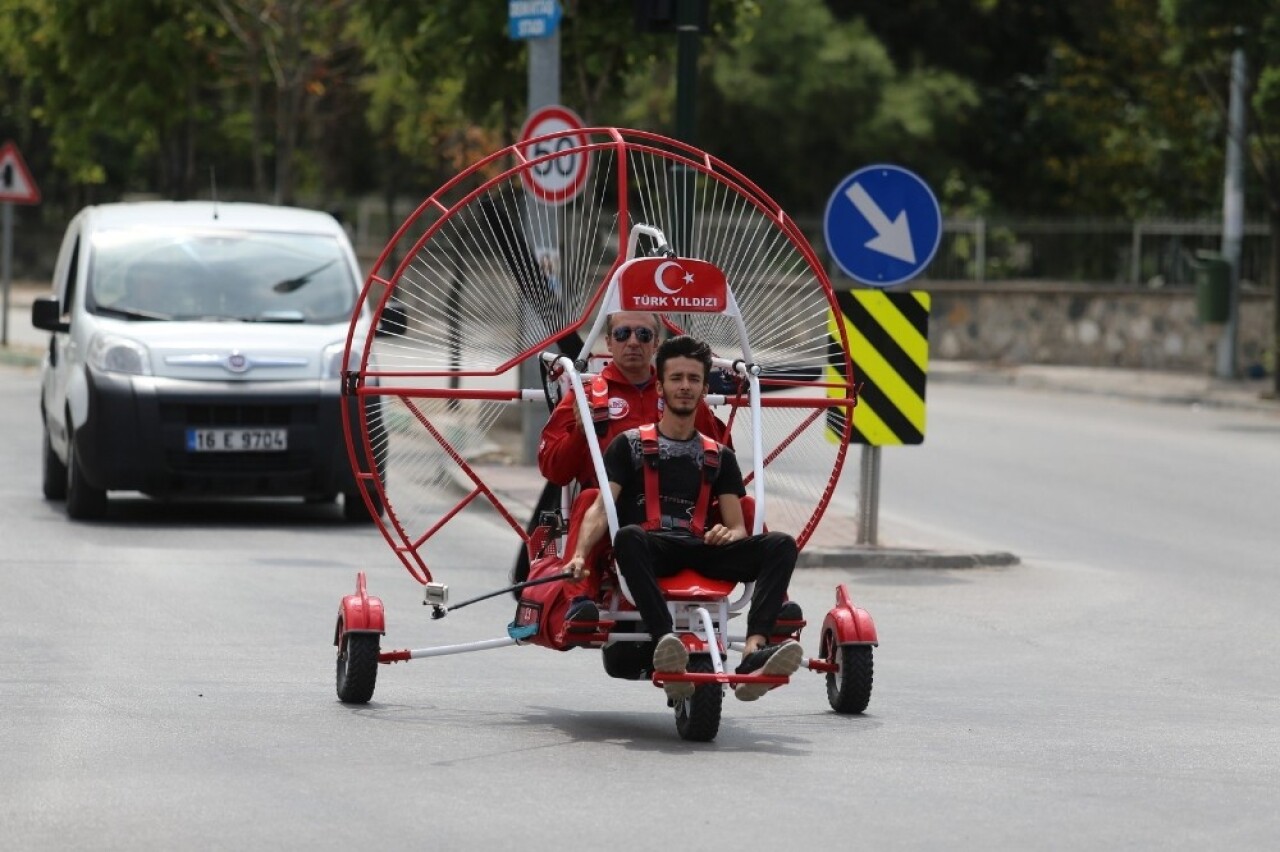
(766, 559)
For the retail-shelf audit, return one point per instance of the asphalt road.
(168, 681)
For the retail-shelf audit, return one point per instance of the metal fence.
(1151, 252)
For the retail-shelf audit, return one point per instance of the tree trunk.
(255, 123)
(391, 180)
(290, 82)
(190, 131)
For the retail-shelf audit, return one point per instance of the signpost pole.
(5, 269)
(869, 496)
(543, 90)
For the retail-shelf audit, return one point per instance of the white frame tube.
(446, 650)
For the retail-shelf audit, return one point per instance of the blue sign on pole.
(882, 225)
(532, 18)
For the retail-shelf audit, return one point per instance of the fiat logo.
(237, 363)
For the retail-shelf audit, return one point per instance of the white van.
(197, 352)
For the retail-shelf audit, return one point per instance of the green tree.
(1137, 135)
(797, 99)
(1004, 50)
(120, 88)
(447, 85)
(285, 57)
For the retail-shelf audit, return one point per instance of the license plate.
(237, 440)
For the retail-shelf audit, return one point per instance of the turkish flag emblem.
(672, 284)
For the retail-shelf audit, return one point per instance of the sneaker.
(670, 656)
(781, 659)
(790, 612)
(582, 617)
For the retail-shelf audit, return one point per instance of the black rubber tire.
(357, 668)
(354, 509)
(628, 660)
(84, 501)
(849, 688)
(54, 473)
(698, 716)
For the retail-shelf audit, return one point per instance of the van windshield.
(246, 276)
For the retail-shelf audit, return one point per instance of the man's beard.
(677, 407)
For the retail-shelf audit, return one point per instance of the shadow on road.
(230, 513)
(652, 732)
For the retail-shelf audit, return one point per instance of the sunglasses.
(623, 333)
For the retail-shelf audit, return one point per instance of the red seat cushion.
(689, 585)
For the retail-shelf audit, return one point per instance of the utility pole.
(688, 31)
(686, 68)
(1233, 214)
(688, 19)
(543, 90)
(686, 120)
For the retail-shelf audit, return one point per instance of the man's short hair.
(608, 321)
(684, 346)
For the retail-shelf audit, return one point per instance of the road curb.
(898, 558)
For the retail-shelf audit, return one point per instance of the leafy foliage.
(1006, 106)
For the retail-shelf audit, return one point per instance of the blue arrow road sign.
(532, 18)
(882, 225)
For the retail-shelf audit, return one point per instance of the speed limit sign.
(556, 179)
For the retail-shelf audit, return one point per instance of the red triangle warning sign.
(16, 184)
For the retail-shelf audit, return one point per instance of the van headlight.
(332, 359)
(113, 354)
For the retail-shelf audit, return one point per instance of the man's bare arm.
(733, 526)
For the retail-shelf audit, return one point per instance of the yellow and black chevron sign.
(888, 336)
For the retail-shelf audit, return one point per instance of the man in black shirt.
(663, 524)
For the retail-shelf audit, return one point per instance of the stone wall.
(1095, 326)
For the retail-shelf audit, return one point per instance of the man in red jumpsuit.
(633, 401)
(563, 457)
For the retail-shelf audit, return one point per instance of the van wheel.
(84, 501)
(55, 473)
(355, 510)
